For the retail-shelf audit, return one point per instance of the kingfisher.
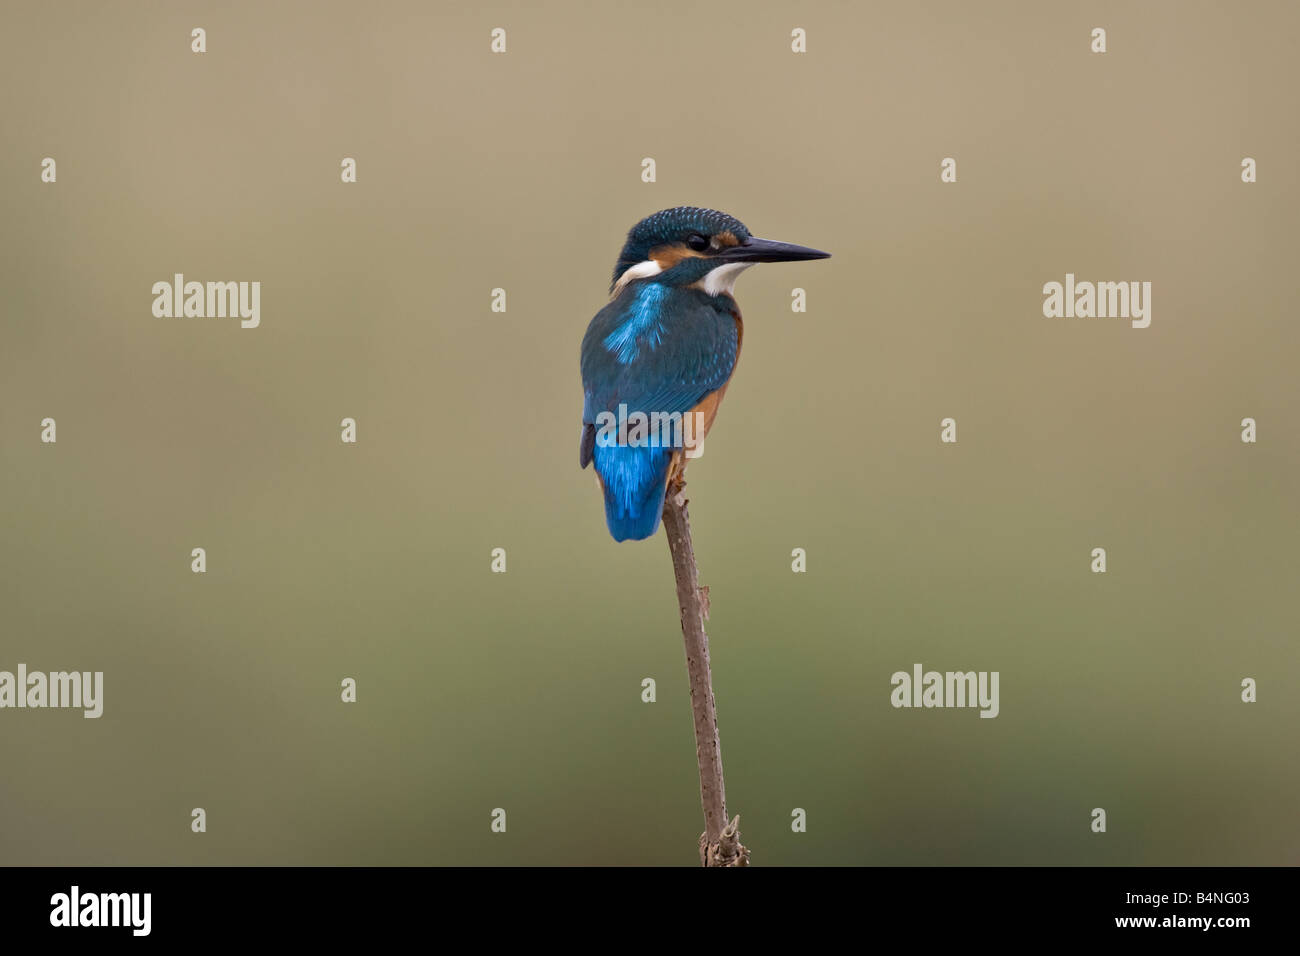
(656, 360)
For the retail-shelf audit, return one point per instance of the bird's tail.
(634, 480)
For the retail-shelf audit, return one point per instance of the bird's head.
(689, 246)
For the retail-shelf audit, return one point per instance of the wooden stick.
(720, 843)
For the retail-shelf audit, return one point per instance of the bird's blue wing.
(654, 349)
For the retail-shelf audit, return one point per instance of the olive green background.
(522, 690)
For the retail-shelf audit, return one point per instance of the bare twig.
(720, 843)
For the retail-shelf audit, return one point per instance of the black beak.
(754, 249)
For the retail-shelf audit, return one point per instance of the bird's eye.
(697, 242)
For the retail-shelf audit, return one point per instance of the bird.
(665, 345)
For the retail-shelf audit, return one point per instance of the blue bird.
(657, 359)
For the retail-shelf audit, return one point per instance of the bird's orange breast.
(707, 410)
(703, 414)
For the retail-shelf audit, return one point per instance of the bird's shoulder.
(653, 325)
(661, 360)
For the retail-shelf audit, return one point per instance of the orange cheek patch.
(669, 255)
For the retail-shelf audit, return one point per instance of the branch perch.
(720, 843)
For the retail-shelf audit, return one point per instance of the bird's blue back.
(654, 348)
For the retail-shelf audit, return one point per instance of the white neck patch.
(642, 270)
(723, 278)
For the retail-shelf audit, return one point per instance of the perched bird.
(666, 344)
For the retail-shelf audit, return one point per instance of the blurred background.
(522, 690)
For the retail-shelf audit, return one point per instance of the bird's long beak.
(754, 249)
